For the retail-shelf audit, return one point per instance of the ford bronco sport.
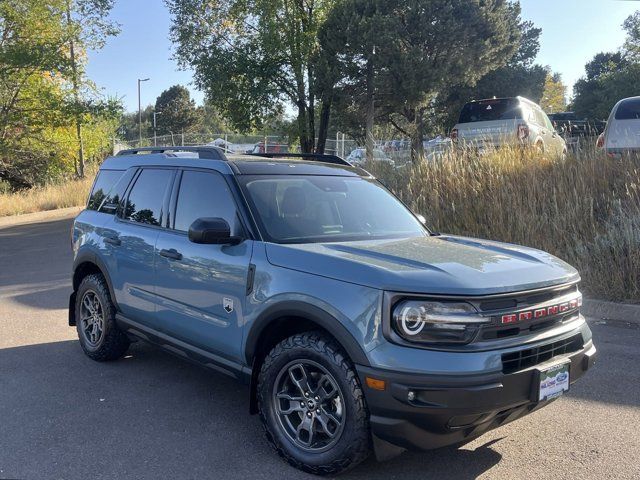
(356, 327)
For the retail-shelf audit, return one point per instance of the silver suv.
(498, 122)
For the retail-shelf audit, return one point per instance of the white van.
(622, 134)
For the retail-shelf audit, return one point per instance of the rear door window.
(490, 110)
(629, 110)
(146, 199)
(102, 187)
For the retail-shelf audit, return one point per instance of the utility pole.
(76, 95)
(140, 113)
(155, 142)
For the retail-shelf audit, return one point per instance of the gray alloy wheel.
(309, 405)
(95, 313)
(91, 318)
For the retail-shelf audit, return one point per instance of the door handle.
(115, 241)
(172, 254)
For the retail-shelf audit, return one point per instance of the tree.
(632, 44)
(178, 111)
(251, 57)
(554, 95)
(38, 99)
(610, 76)
(88, 27)
(412, 50)
(519, 77)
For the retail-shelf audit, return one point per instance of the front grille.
(513, 362)
(515, 303)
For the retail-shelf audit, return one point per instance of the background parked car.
(359, 157)
(622, 134)
(500, 122)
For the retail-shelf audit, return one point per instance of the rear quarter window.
(103, 187)
(628, 110)
(490, 110)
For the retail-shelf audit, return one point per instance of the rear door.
(623, 131)
(130, 243)
(201, 288)
(492, 122)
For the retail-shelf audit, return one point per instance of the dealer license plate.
(554, 381)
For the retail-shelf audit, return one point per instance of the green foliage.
(43, 92)
(252, 57)
(519, 77)
(176, 111)
(610, 76)
(415, 50)
(554, 95)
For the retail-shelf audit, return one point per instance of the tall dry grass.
(585, 209)
(70, 193)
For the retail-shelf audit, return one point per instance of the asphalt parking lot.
(154, 416)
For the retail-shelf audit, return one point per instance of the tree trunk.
(305, 143)
(76, 95)
(417, 147)
(323, 128)
(371, 111)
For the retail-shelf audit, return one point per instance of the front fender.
(310, 312)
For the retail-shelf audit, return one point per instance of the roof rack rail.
(318, 157)
(208, 151)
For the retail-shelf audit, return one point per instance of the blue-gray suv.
(356, 328)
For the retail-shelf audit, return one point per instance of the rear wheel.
(312, 406)
(99, 336)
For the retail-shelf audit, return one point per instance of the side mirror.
(212, 231)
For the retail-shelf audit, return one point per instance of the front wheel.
(312, 406)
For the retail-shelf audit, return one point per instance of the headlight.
(436, 322)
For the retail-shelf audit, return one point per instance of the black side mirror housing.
(212, 231)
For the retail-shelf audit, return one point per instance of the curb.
(603, 310)
(37, 217)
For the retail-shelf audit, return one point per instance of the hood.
(438, 265)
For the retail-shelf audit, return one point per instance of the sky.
(573, 31)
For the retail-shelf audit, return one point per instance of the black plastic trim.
(311, 313)
(185, 350)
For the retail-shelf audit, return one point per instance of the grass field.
(70, 193)
(585, 210)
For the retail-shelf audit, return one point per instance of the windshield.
(488, 110)
(311, 209)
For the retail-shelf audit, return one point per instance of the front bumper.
(451, 409)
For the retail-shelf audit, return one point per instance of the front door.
(201, 288)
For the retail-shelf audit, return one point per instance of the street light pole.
(155, 143)
(140, 80)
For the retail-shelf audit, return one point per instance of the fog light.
(411, 396)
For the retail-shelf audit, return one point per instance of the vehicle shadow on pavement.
(444, 463)
(151, 415)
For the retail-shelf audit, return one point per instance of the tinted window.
(105, 181)
(144, 204)
(293, 209)
(204, 194)
(488, 110)
(629, 110)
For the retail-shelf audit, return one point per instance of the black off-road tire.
(354, 444)
(113, 343)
